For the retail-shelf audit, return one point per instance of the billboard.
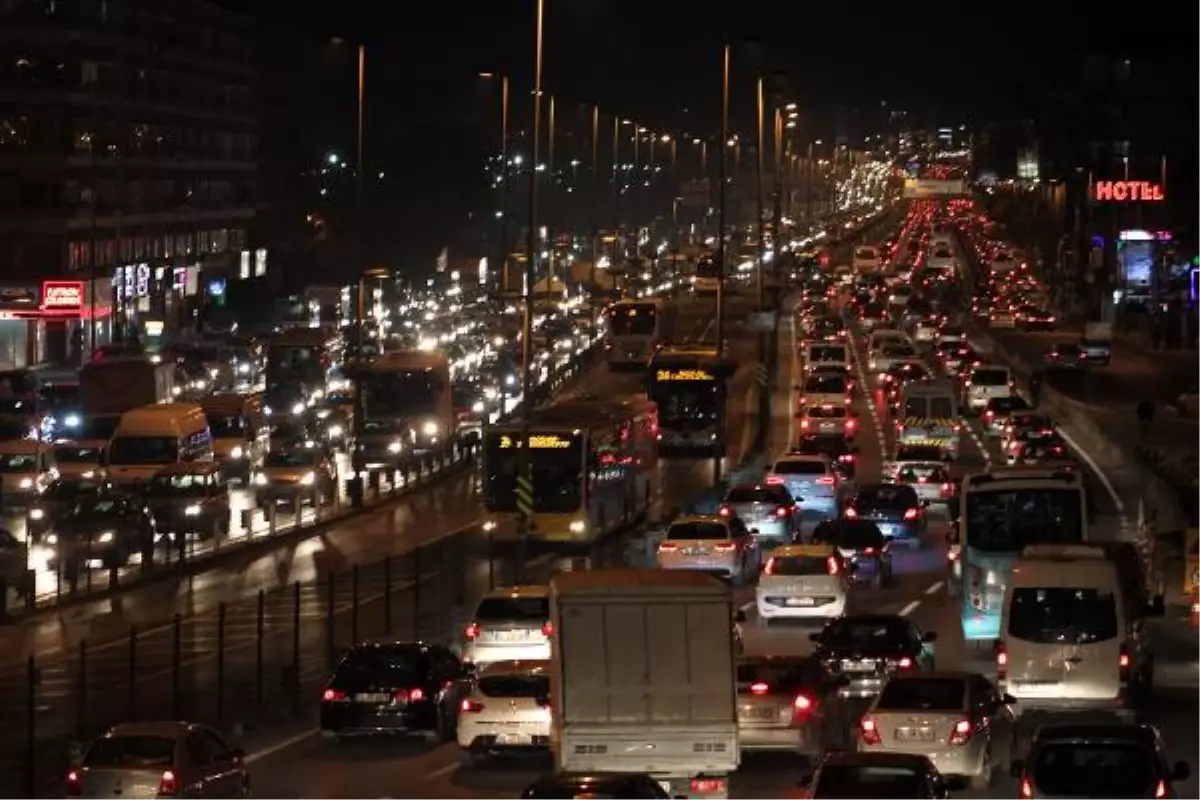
(919, 189)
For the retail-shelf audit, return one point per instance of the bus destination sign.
(666, 375)
(538, 442)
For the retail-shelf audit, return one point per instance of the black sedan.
(840, 451)
(863, 649)
(394, 688)
(1065, 355)
(108, 528)
(879, 775)
(894, 507)
(58, 501)
(633, 785)
(788, 704)
(862, 543)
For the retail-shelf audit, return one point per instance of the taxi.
(808, 581)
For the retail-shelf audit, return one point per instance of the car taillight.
(759, 688)
(168, 785)
(825, 480)
(774, 480)
(409, 695)
(869, 731)
(911, 513)
(1123, 663)
(725, 547)
(74, 784)
(850, 513)
(990, 415)
(708, 785)
(725, 511)
(1001, 663)
(781, 512)
(769, 569)
(469, 706)
(804, 424)
(870, 551)
(471, 631)
(961, 733)
(333, 696)
(667, 546)
(547, 629)
(1160, 789)
(802, 706)
(851, 424)
(1026, 789)
(947, 489)
(832, 566)
(904, 662)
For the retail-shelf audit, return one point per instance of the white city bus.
(633, 332)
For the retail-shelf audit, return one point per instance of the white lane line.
(439, 773)
(911, 607)
(868, 393)
(935, 587)
(280, 746)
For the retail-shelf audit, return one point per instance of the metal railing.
(27, 595)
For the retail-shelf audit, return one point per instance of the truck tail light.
(1124, 662)
(1001, 663)
(869, 731)
(168, 785)
(708, 785)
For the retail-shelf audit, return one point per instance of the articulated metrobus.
(1004, 511)
(593, 466)
(687, 383)
(634, 330)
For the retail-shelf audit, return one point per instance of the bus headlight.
(37, 513)
(335, 431)
(192, 511)
(71, 420)
(308, 480)
(298, 409)
(237, 452)
(393, 447)
(430, 428)
(26, 483)
(578, 526)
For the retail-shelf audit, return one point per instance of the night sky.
(658, 61)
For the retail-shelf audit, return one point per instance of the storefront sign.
(1128, 192)
(62, 297)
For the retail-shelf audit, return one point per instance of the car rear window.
(1058, 615)
(890, 496)
(396, 666)
(869, 781)
(131, 752)
(798, 467)
(924, 694)
(796, 566)
(505, 609)
(1006, 405)
(698, 530)
(825, 384)
(852, 534)
(827, 353)
(1100, 769)
(766, 494)
(515, 685)
(989, 377)
(827, 412)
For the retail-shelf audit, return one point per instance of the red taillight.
(804, 424)
(961, 733)
(725, 547)
(1160, 790)
(1123, 663)
(74, 784)
(851, 424)
(759, 688)
(869, 731)
(1026, 789)
(803, 704)
(667, 547)
(911, 514)
(725, 511)
(774, 480)
(832, 565)
(782, 512)
(952, 555)
(1001, 663)
(870, 551)
(471, 631)
(825, 481)
(904, 663)
(167, 784)
(469, 706)
(708, 785)
(411, 695)
(333, 696)
(922, 479)
(947, 489)
(547, 628)
(850, 513)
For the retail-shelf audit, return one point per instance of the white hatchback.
(507, 711)
(509, 624)
(719, 545)
(803, 582)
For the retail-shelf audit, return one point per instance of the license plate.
(696, 551)
(859, 666)
(377, 697)
(828, 426)
(508, 636)
(513, 738)
(760, 713)
(914, 735)
(800, 601)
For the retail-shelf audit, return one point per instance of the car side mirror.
(1181, 771)
(1017, 768)
(468, 669)
(740, 616)
(852, 567)
(929, 637)
(754, 531)
(924, 502)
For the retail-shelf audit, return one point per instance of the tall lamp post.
(356, 462)
(504, 178)
(524, 462)
(721, 229)
(595, 205)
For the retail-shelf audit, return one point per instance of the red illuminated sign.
(62, 297)
(1128, 192)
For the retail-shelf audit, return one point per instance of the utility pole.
(595, 193)
(505, 185)
(759, 226)
(524, 460)
(356, 483)
(617, 259)
(721, 229)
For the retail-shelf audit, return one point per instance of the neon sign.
(683, 375)
(64, 297)
(1128, 192)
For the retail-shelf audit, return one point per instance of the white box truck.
(643, 677)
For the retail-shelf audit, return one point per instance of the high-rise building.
(128, 158)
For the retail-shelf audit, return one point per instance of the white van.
(1073, 633)
(987, 381)
(151, 437)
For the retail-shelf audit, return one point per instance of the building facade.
(128, 162)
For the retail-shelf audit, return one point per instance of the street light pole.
(777, 211)
(524, 473)
(721, 230)
(762, 233)
(616, 192)
(356, 463)
(595, 193)
(550, 187)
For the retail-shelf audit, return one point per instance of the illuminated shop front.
(53, 321)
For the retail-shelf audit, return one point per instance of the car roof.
(528, 590)
(1145, 734)
(851, 759)
(787, 550)
(515, 668)
(166, 729)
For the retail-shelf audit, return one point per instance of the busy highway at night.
(258, 634)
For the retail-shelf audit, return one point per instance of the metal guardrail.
(190, 556)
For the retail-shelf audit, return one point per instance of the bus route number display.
(538, 442)
(683, 375)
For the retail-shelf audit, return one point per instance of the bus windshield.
(633, 320)
(688, 405)
(401, 393)
(1007, 520)
(557, 473)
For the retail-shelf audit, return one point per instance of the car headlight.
(308, 480)
(37, 513)
(578, 526)
(26, 483)
(51, 538)
(237, 452)
(267, 411)
(192, 511)
(260, 479)
(71, 420)
(105, 537)
(213, 372)
(477, 407)
(393, 447)
(335, 431)
(430, 428)
(298, 409)
(243, 368)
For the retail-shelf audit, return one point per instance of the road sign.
(762, 376)
(525, 496)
